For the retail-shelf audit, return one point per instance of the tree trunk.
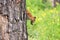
(16, 29)
(23, 19)
(54, 2)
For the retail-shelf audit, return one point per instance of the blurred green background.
(47, 23)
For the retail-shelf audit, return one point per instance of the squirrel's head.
(32, 21)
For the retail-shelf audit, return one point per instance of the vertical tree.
(16, 14)
(54, 2)
(58, 1)
(23, 19)
(3, 20)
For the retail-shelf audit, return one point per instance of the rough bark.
(23, 18)
(3, 20)
(16, 29)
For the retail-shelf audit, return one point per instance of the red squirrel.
(29, 15)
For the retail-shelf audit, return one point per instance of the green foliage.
(47, 24)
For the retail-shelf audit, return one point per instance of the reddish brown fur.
(32, 18)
